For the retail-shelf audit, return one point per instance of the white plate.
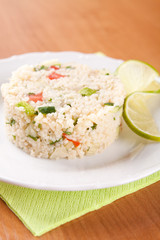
(126, 160)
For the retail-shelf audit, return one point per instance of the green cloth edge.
(115, 192)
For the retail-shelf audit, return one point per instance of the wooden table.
(119, 28)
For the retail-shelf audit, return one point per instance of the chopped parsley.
(75, 122)
(39, 68)
(34, 138)
(87, 91)
(47, 109)
(107, 74)
(68, 133)
(14, 137)
(11, 122)
(109, 104)
(94, 126)
(39, 125)
(50, 100)
(36, 113)
(114, 118)
(69, 67)
(88, 149)
(53, 142)
(69, 104)
(34, 122)
(31, 93)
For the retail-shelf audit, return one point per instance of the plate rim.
(70, 188)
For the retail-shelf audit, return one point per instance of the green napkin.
(41, 210)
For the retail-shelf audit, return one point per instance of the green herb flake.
(36, 113)
(75, 122)
(69, 104)
(88, 149)
(57, 64)
(52, 143)
(94, 126)
(14, 137)
(69, 67)
(43, 67)
(50, 100)
(40, 125)
(107, 74)
(11, 122)
(87, 91)
(116, 109)
(34, 138)
(29, 110)
(68, 133)
(47, 109)
(34, 122)
(114, 118)
(39, 68)
(30, 93)
(109, 104)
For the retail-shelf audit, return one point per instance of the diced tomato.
(55, 67)
(36, 97)
(76, 143)
(55, 75)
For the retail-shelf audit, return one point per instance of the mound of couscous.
(62, 110)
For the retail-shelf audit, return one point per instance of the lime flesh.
(137, 76)
(138, 116)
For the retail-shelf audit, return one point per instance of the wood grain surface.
(119, 28)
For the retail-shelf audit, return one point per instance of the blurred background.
(119, 28)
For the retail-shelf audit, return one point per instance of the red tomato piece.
(36, 97)
(55, 67)
(55, 75)
(76, 143)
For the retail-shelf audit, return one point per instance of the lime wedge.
(137, 115)
(137, 76)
